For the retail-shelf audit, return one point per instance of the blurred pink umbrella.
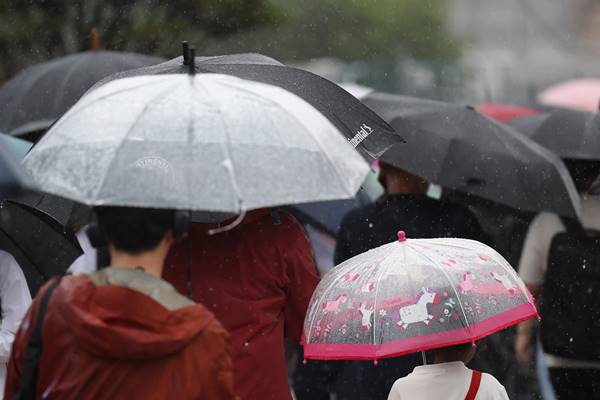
(577, 94)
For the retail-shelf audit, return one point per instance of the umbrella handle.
(424, 358)
(230, 226)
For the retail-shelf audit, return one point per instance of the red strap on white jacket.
(474, 386)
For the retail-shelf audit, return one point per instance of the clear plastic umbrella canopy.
(205, 142)
(413, 295)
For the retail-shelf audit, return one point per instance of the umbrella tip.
(94, 39)
(401, 236)
(185, 49)
(192, 61)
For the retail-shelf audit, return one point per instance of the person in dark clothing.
(404, 206)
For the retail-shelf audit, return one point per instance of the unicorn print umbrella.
(413, 295)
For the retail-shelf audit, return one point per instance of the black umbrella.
(458, 148)
(39, 243)
(69, 214)
(12, 177)
(568, 133)
(327, 216)
(364, 129)
(36, 97)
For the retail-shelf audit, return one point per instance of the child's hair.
(458, 352)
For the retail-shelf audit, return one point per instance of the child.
(448, 378)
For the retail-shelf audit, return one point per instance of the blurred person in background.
(14, 301)
(506, 227)
(257, 278)
(404, 206)
(550, 243)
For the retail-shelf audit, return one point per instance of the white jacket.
(448, 381)
(15, 300)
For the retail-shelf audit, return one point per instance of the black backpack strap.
(572, 225)
(34, 348)
(275, 217)
(102, 258)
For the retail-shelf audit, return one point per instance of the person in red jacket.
(122, 332)
(257, 279)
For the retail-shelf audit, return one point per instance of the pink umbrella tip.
(401, 236)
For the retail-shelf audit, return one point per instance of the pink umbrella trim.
(321, 351)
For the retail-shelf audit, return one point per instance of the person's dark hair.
(134, 230)
(583, 172)
(457, 352)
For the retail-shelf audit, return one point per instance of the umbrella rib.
(67, 76)
(533, 147)
(307, 128)
(435, 263)
(25, 254)
(381, 273)
(319, 305)
(39, 73)
(227, 152)
(70, 113)
(487, 249)
(326, 153)
(131, 127)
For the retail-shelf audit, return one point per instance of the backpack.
(570, 307)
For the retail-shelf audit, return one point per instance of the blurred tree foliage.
(36, 30)
(352, 30)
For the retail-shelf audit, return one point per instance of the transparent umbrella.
(205, 142)
(413, 295)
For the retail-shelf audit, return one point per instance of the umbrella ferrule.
(192, 61)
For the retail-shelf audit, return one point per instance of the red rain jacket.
(102, 340)
(257, 279)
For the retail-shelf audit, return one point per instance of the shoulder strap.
(572, 225)
(34, 348)
(474, 386)
(275, 217)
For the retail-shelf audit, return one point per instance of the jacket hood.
(127, 314)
